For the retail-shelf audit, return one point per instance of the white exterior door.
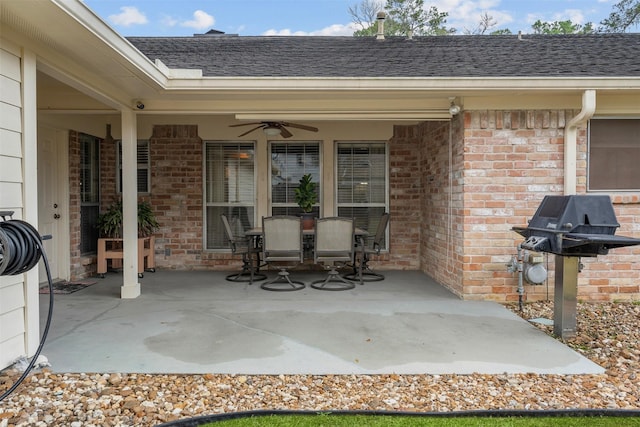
(53, 201)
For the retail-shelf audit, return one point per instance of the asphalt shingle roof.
(440, 56)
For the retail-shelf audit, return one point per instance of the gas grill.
(572, 227)
(582, 226)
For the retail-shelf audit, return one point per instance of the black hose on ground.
(20, 250)
(493, 413)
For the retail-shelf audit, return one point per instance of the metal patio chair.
(368, 275)
(334, 243)
(250, 256)
(282, 246)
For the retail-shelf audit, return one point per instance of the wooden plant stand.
(111, 249)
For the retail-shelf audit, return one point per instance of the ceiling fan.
(275, 128)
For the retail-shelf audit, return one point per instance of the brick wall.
(108, 173)
(615, 276)
(82, 265)
(441, 203)
(176, 194)
(76, 270)
(512, 160)
(177, 199)
(405, 192)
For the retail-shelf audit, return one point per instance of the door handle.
(56, 216)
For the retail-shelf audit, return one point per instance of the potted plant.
(147, 223)
(110, 222)
(109, 226)
(306, 196)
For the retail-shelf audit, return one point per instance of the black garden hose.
(20, 250)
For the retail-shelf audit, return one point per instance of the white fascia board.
(407, 83)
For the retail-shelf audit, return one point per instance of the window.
(89, 192)
(362, 182)
(143, 166)
(614, 154)
(229, 189)
(289, 162)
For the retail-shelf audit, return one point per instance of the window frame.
(385, 205)
(231, 205)
(89, 239)
(146, 166)
(589, 157)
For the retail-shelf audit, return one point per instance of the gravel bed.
(608, 334)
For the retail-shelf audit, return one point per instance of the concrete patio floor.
(197, 322)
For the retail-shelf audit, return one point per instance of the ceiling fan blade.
(284, 132)
(299, 126)
(246, 124)
(249, 131)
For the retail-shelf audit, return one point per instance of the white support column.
(131, 286)
(262, 180)
(328, 171)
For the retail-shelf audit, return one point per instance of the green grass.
(415, 421)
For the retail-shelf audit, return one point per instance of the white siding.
(9, 62)
(11, 143)
(12, 315)
(10, 89)
(13, 342)
(10, 168)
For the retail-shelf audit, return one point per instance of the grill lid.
(576, 225)
(576, 214)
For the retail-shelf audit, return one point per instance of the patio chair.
(367, 274)
(282, 245)
(250, 253)
(334, 243)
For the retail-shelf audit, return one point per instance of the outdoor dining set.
(281, 242)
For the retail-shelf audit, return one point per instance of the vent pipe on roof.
(381, 17)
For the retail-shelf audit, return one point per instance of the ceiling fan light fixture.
(271, 130)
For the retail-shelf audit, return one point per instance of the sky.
(322, 17)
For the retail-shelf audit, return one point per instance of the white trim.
(386, 84)
(30, 193)
(610, 191)
(206, 204)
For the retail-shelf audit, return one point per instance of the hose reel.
(20, 246)
(20, 250)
